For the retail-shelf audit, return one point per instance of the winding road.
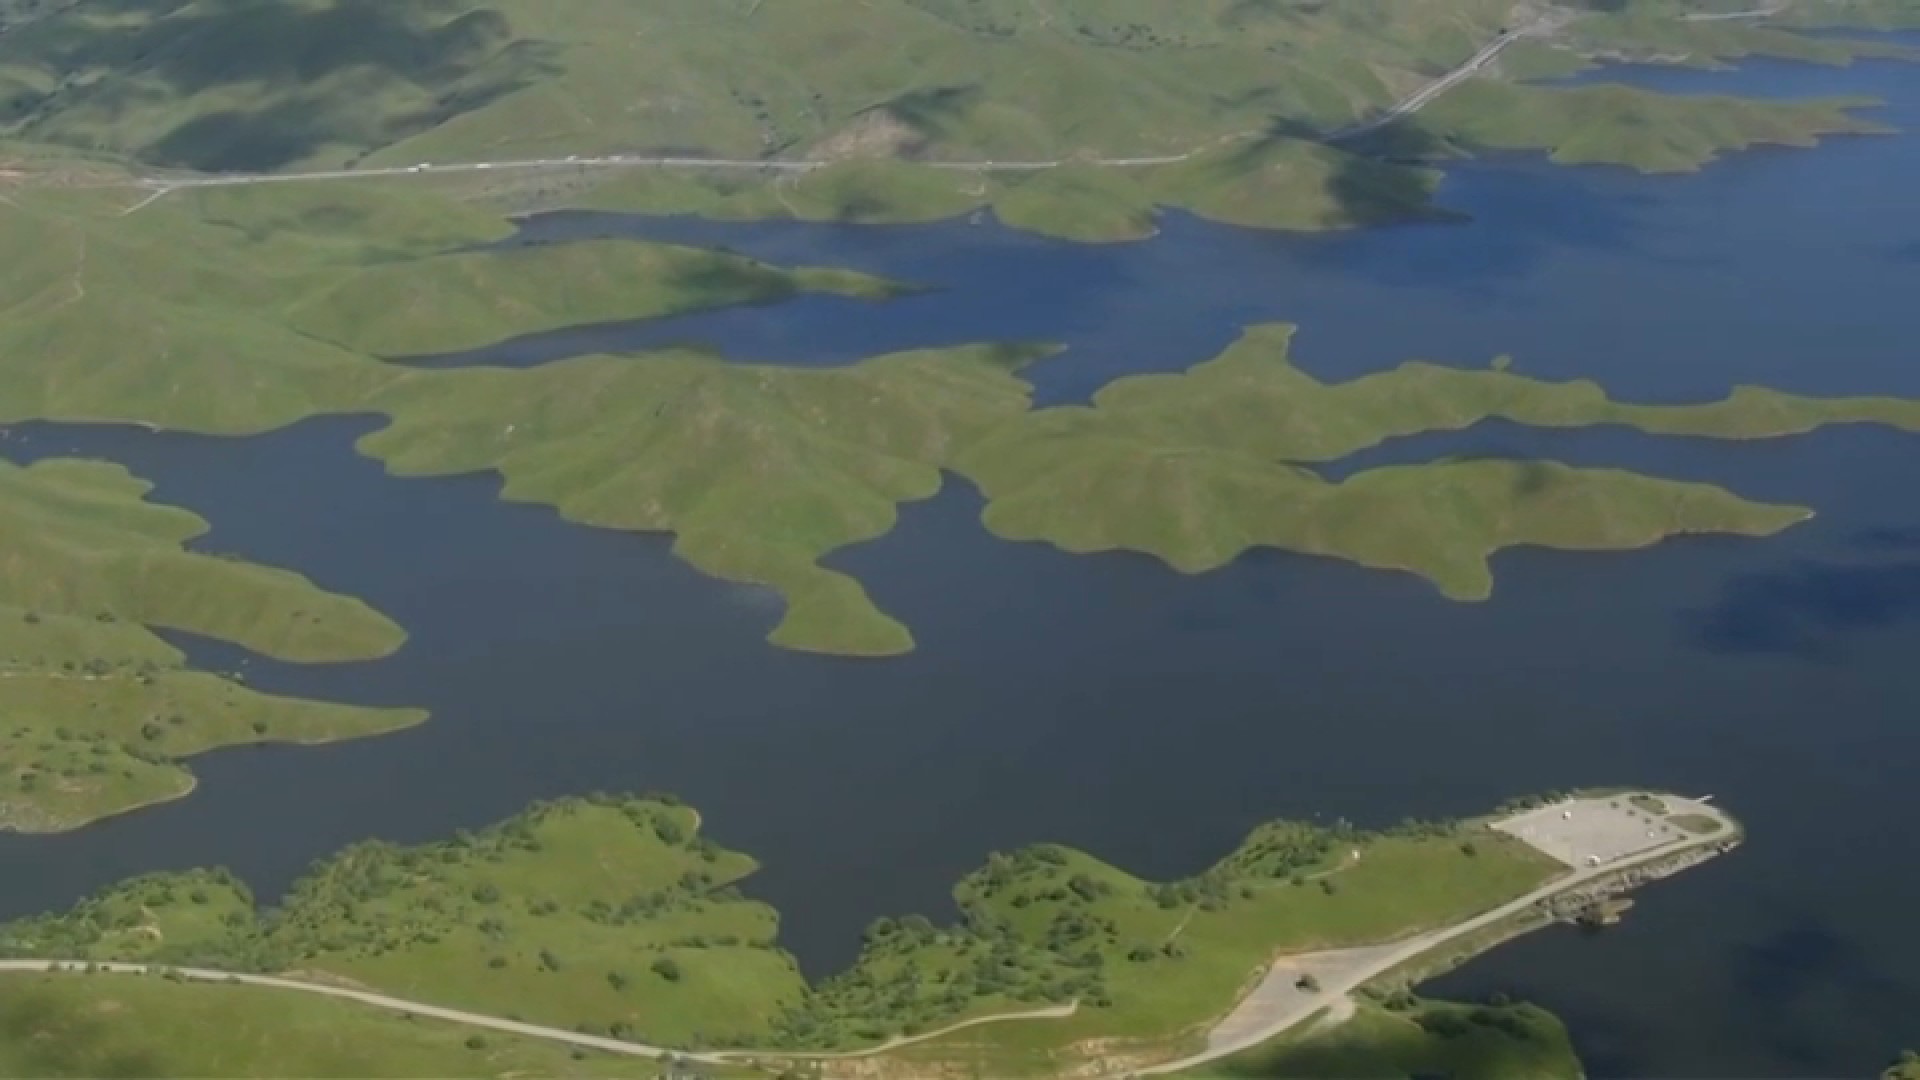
(161, 185)
(1274, 1006)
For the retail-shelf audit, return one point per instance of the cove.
(1108, 703)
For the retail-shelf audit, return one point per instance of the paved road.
(1431, 92)
(162, 184)
(380, 1001)
(1276, 1005)
(1767, 12)
(515, 1027)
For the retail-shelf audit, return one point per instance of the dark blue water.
(1152, 718)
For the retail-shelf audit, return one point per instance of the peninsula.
(611, 925)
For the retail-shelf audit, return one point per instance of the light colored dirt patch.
(325, 978)
(873, 134)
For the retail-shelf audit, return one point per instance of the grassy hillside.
(606, 915)
(90, 1027)
(270, 305)
(242, 310)
(1623, 125)
(1152, 964)
(757, 471)
(268, 85)
(1198, 467)
(261, 85)
(98, 710)
(1420, 1039)
(612, 915)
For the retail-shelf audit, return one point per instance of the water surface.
(1152, 718)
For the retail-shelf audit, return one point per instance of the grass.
(613, 916)
(1196, 468)
(610, 916)
(1650, 31)
(1699, 824)
(1263, 182)
(273, 305)
(94, 1026)
(1648, 804)
(1150, 963)
(1425, 1039)
(757, 471)
(453, 302)
(1624, 125)
(98, 709)
(259, 85)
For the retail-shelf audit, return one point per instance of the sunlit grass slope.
(1198, 467)
(239, 311)
(757, 471)
(612, 915)
(1424, 1039)
(86, 1027)
(95, 710)
(270, 85)
(1622, 125)
(253, 84)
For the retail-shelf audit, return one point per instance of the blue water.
(1152, 718)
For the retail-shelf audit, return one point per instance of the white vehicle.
(483, 165)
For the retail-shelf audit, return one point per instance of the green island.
(275, 305)
(610, 923)
(98, 710)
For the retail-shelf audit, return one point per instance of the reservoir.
(1150, 718)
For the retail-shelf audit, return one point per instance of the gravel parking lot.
(1580, 831)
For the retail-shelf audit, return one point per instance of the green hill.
(97, 709)
(611, 915)
(271, 85)
(90, 1027)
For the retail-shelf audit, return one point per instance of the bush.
(667, 968)
(476, 1042)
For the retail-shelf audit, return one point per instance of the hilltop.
(605, 916)
(1232, 110)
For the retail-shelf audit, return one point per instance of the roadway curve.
(1282, 1011)
(514, 1027)
(161, 185)
(378, 1001)
(1432, 91)
(1275, 1006)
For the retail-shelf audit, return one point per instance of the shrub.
(667, 968)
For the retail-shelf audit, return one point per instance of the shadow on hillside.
(355, 72)
(1380, 177)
